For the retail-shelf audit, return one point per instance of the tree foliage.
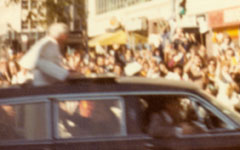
(55, 10)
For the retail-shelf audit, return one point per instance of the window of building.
(33, 24)
(24, 122)
(24, 25)
(77, 25)
(104, 6)
(33, 3)
(24, 4)
(90, 118)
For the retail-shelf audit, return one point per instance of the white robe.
(44, 59)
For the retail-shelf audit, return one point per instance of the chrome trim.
(89, 94)
(55, 112)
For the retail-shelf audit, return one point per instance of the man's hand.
(74, 75)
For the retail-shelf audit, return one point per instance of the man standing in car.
(44, 58)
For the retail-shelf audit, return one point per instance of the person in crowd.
(153, 71)
(210, 83)
(109, 63)
(5, 77)
(13, 70)
(176, 74)
(74, 60)
(194, 70)
(225, 83)
(117, 70)
(227, 42)
(163, 69)
(128, 57)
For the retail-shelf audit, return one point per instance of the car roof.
(106, 84)
(101, 84)
(159, 81)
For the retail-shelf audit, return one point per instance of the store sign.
(215, 19)
(227, 17)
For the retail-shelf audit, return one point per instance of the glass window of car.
(90, 118)
(24, 121)
(176, 114)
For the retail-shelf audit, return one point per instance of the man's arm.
(53, 70)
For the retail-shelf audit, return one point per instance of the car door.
(25, 123)
(205, 127)
(91, 122)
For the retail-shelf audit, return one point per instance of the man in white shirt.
(44, 58)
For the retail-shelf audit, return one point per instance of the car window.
(24, 121)
(165, 115)
(90, 118)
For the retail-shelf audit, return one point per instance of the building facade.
(31, 17)
(220, 15)
(132, 14)
(10, 17)
(26, 20)
(21, 17)
(206, 15)
(19, 22)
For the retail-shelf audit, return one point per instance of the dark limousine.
(116, 113)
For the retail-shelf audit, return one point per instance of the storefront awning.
(118, 37)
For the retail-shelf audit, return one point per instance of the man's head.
(58, 31)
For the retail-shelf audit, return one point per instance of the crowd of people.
(178, 56)
(11, 73)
